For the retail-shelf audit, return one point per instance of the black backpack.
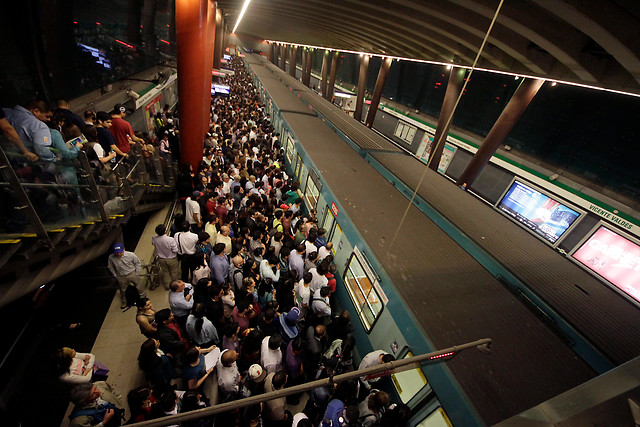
(132, 296)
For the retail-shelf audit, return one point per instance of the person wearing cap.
(192, 212)
(125, 267)
(254, 383)
(121, 129)
(288, 326)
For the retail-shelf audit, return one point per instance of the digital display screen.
(217, 89)
(613, 257)
(227, 57)
(540, 213)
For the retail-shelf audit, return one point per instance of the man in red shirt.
(121, 129)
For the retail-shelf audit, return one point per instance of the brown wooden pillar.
(273, 53)
(324, 72)
(501, 128)
(456, 79)
(191, 33)
(149, 10)
(377, 92)
(332, 76)
(362, 87)
(283, 63)
(293, 61)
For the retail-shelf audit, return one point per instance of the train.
(434, 267)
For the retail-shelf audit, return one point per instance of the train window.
(290, 148)
(405, 131)
(304, 172)
(409, 383)
(336, 236)
(327, 222)
(437, 418)
(311, 193)
(298, 166)
(362, 292)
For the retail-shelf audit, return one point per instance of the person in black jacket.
(169, 335)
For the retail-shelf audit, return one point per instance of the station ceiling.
(593, 42)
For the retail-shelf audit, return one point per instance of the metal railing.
(40, 197)
(438, 356)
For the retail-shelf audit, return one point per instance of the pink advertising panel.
(613, 257)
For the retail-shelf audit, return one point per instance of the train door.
(411, 385)
(437, 418)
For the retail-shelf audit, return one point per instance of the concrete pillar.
(324, 72)
(456, 79)
(377, 92)
(332, 76)
(273, 53)
(293, 61)
(362, 87)
(191, 33)
(134, 15)
(501, 128)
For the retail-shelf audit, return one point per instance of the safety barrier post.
(95, 194)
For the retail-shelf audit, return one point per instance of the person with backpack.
(96, 404)
(125, 267)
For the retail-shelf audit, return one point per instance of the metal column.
(377, 92)
(306, 79)
(293, 61)
(324, 72)
(191, 31)
(507, 120)
(332, 76)
(283, 60)
(362, 87)
(456, 77)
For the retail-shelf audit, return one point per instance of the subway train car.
(410, 281)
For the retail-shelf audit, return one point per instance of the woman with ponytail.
(200, 329)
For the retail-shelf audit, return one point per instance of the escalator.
(57, 216)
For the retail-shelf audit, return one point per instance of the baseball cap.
(119, 109)
(256, 373)
(293, 314)
(118, 248)
(195, 194)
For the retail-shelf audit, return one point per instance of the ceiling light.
(244, 9)
(449, 67)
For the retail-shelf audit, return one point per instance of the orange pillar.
(208, 63)
(191, 34)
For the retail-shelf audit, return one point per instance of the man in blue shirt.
(219, 264)
(29, 123)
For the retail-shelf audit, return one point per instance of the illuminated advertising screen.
(613, 257)
(538, 212)
(217, 89)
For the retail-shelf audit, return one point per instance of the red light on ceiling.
(97, 23)
(168, 25)
(442, 356)
(164, 41)
(75, 22)
(141, 26)
(124, 44)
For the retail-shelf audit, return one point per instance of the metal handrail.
(381, 370)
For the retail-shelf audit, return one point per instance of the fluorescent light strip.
(244, 9)
(468, 67)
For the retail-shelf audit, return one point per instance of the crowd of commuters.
(250, 280)
(45, 144)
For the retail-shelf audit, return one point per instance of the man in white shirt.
(266, 269)
(186, 241)
(192, 212)
(270, 353)
(320, 303)
(324, 251)
(167, 251)
(228, 375)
